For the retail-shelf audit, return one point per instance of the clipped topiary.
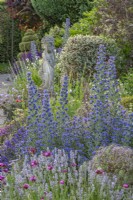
(116, 160)
(25, 45)
(80, 54)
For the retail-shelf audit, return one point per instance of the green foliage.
(79, 55)
(115, 19)
(115, 160)
(20, 80)
(28, 38)
(55, 12)
(25, 45)
(127, 81)
(86, 25)
(10, 36)
(4, 68)
(58, 34)
(127, 102)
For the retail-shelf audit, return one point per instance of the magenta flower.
(1, 164)
(64, 171)
(26, 186)
(47, 153)
(5, 170)
(99, 171)
(125, 185)
(34, 163)
(32, 178)
(32, 150)
(62, 182)
(50, 167)
(2, 178)
(73, 164)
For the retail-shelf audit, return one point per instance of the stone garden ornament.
(47, 69)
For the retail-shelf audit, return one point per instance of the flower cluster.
(109, 122)
(55, 175)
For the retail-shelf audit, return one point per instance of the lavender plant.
(55, 176)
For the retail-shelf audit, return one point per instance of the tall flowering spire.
(33, 51)
(67, 29)
(107, 119)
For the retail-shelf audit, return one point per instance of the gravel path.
(5, 82)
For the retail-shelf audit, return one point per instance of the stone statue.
(47, 70)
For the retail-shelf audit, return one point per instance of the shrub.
(115, 159)
(127, 102)
(57, 11)
(80, 54)
(57, 175)
(25, 45)
(10, 36)
(85, 25)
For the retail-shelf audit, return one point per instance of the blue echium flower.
(108, 119)
(47, 126)
(67, 29)
(34, 106)
(33, 51)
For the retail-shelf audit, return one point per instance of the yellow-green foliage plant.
(127, 102)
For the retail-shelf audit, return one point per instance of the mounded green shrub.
(80, 54)
(127, 102)
(25, 45)
(116, 160)
(29, 38)
(29, 32)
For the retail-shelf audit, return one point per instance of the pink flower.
(2, 178)
(18, 100)
(125, 185)
(32, 150)
(99, 171)
(26, 186)
(5, 170)
(34, 163)
(64, 171)
(1, 164)
(73, 164)
(50, 167)
(47, 154)
(32, 178)
(62, 182)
